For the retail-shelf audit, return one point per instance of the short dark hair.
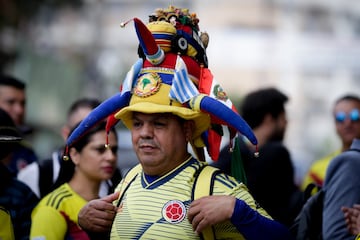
(348, 97)
(83, 103)
(7, 80)
(257, 104)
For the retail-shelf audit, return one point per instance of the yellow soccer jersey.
(55, 217)
(158, 210)
(317, 171)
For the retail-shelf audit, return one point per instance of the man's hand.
(352, 218)
(98, 215)
(210, 210)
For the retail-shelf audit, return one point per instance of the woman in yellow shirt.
(90, 162)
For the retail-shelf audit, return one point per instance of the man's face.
(74, 119)
(280, 124)
(12, 100)
(347, 127)
(159, 141)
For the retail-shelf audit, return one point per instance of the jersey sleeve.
(250, 219)
(227, 185)
(47, 223)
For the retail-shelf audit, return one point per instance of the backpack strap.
(128, 179)
(132, 173)
(203, 186)
(308, 223)
(45, 176)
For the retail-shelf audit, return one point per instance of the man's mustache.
(147, 143)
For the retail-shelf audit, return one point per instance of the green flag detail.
(237, 165)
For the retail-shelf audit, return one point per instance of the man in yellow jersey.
(346, 114)
(166, 110)
(156, 203)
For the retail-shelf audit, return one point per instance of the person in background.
(16, 199)
(264, 111)
(90, 162)
(346, 114)
(352, 219)
(13, 101)
(341, 191)
(40, 176)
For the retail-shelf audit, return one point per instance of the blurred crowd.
(87, 188)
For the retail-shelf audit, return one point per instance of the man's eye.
(11, 102)
(136, 124)
(159, 124)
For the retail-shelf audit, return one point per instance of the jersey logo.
(174, 211)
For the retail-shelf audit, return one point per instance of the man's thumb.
(112, 197)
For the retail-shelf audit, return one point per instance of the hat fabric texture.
(152, 96)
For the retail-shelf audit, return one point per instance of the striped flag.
(131, 76)
(182, 88)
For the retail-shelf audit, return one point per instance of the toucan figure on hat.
(172, 73)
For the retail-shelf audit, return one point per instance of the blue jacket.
(342, 188)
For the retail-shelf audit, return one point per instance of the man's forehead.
(77, 116)
(346, 105)
(137, 115)
(10, 91)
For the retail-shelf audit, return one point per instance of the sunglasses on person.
(342, 116)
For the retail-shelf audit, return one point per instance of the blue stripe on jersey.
(226, 181)
(161, 181)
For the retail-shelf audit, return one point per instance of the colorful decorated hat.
(172, 76)
(150, 95)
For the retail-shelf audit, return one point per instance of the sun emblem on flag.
(174, 211)
(147, 85)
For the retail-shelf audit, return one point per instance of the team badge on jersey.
(174, 211)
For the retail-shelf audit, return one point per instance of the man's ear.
(65, 131)
(268, 119)
(189, 127)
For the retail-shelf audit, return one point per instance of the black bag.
(308, 224)
(45, 176)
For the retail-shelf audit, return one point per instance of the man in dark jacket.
(16, 199)
(270, 177)
(13, 101)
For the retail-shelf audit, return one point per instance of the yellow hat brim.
(202, 120)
